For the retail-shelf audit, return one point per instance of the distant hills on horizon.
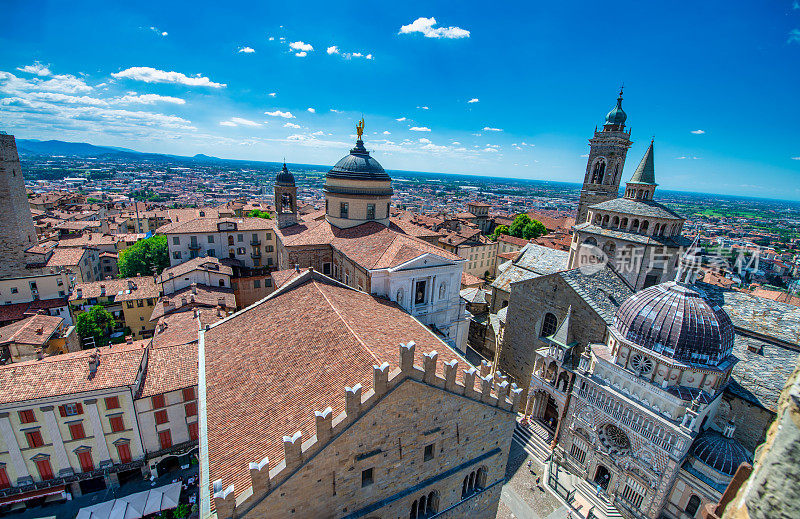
(35, 147)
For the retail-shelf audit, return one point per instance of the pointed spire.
(562, 335)
(645, 173)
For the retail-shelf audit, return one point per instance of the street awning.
(33, 494)
(135, 505)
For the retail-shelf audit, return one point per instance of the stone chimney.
(221, 301)
(129, 339)
(94, 362)
(79, 293)
(194, 288)
(102, 289)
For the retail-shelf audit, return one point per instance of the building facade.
(17, 232)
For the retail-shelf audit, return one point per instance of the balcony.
(194, 246)
(255, 254)
(255, 242)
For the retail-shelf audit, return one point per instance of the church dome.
(285, 176)
(720, 452)
(677, 321)
(617, 115)
(358, 165)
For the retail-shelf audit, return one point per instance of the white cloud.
(387, 132)
(333, 49)
(585, 156)
(473, 100)
(301, 54)
(423, 107)
(456, 143)
(149, 99)
(426, 27)
(488, 129)
(425, 141)
(152, 75)
(271, 38)
(291, 125)
(64, 83)
(400, 119)
(490, 150)
(311, 110)
(698, 132)
(239, 121)
(334, 110)
(420, 129)
(368, 56)
(299, 45)
(272, 94)
(278, 113)
(247, 50)
(37, 68)
(795, 158)
(159, 31)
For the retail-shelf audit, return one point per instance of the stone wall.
(466, 435)
(773, 489)
(752, 421)
(17, 232)
(530, 301)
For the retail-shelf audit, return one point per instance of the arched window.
(480, 480)
(598, 171)
(597, 219)
(635, 225)
(425, 506)
(504, 304)
(610, 248)
(590, 241)
(222, 282)
(645, 225)
(615, 221)
(605, 221)
(693, 505)
(442, 290)
(624, 223)
(549, 325)
(230, 241)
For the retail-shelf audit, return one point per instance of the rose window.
(614, 438)
(641, 364)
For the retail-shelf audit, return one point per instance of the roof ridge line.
(344, 321)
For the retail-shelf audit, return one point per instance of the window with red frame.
(117, 423)
(188, 393)
(76, 431)
(112, 402)
(124, 451)
(27, 416)
(86, 461)
(193, 431)
(44, 468)
(4, 481)
(158, 401)
(34, 438)
(165, 439)
(161, 417)
(191, 409)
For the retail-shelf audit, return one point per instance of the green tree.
(94, 323)
(519, 223)
(533, 230)
(500, 229)
(255, 213)
(143, 256)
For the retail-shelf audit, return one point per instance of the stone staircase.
(534, 439)
(602, 506)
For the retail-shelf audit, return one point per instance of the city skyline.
(246, 85)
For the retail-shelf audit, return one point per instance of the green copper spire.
(617, 115)
(645, 173)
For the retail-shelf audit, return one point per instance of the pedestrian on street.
(598, 490)
(538, 480)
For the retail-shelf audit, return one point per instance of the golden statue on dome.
(360, 128)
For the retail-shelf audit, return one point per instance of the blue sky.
(715, 82)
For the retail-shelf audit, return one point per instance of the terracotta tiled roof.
(269, 367)
(65, 257)
(36, 330)
(143, 288)
(209, 264)
(281, 277)
(69, 373)
(371, 245)
(468, 280)
(513, 239)
(182, 327)
(412, 229)
(209, 225)
(195, 295)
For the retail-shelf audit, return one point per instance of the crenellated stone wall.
(419, 433)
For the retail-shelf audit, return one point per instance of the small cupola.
(642, 184)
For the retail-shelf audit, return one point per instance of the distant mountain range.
(84, 149)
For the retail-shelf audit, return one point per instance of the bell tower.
(285, 198)
(17, 232)
(607, 151)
